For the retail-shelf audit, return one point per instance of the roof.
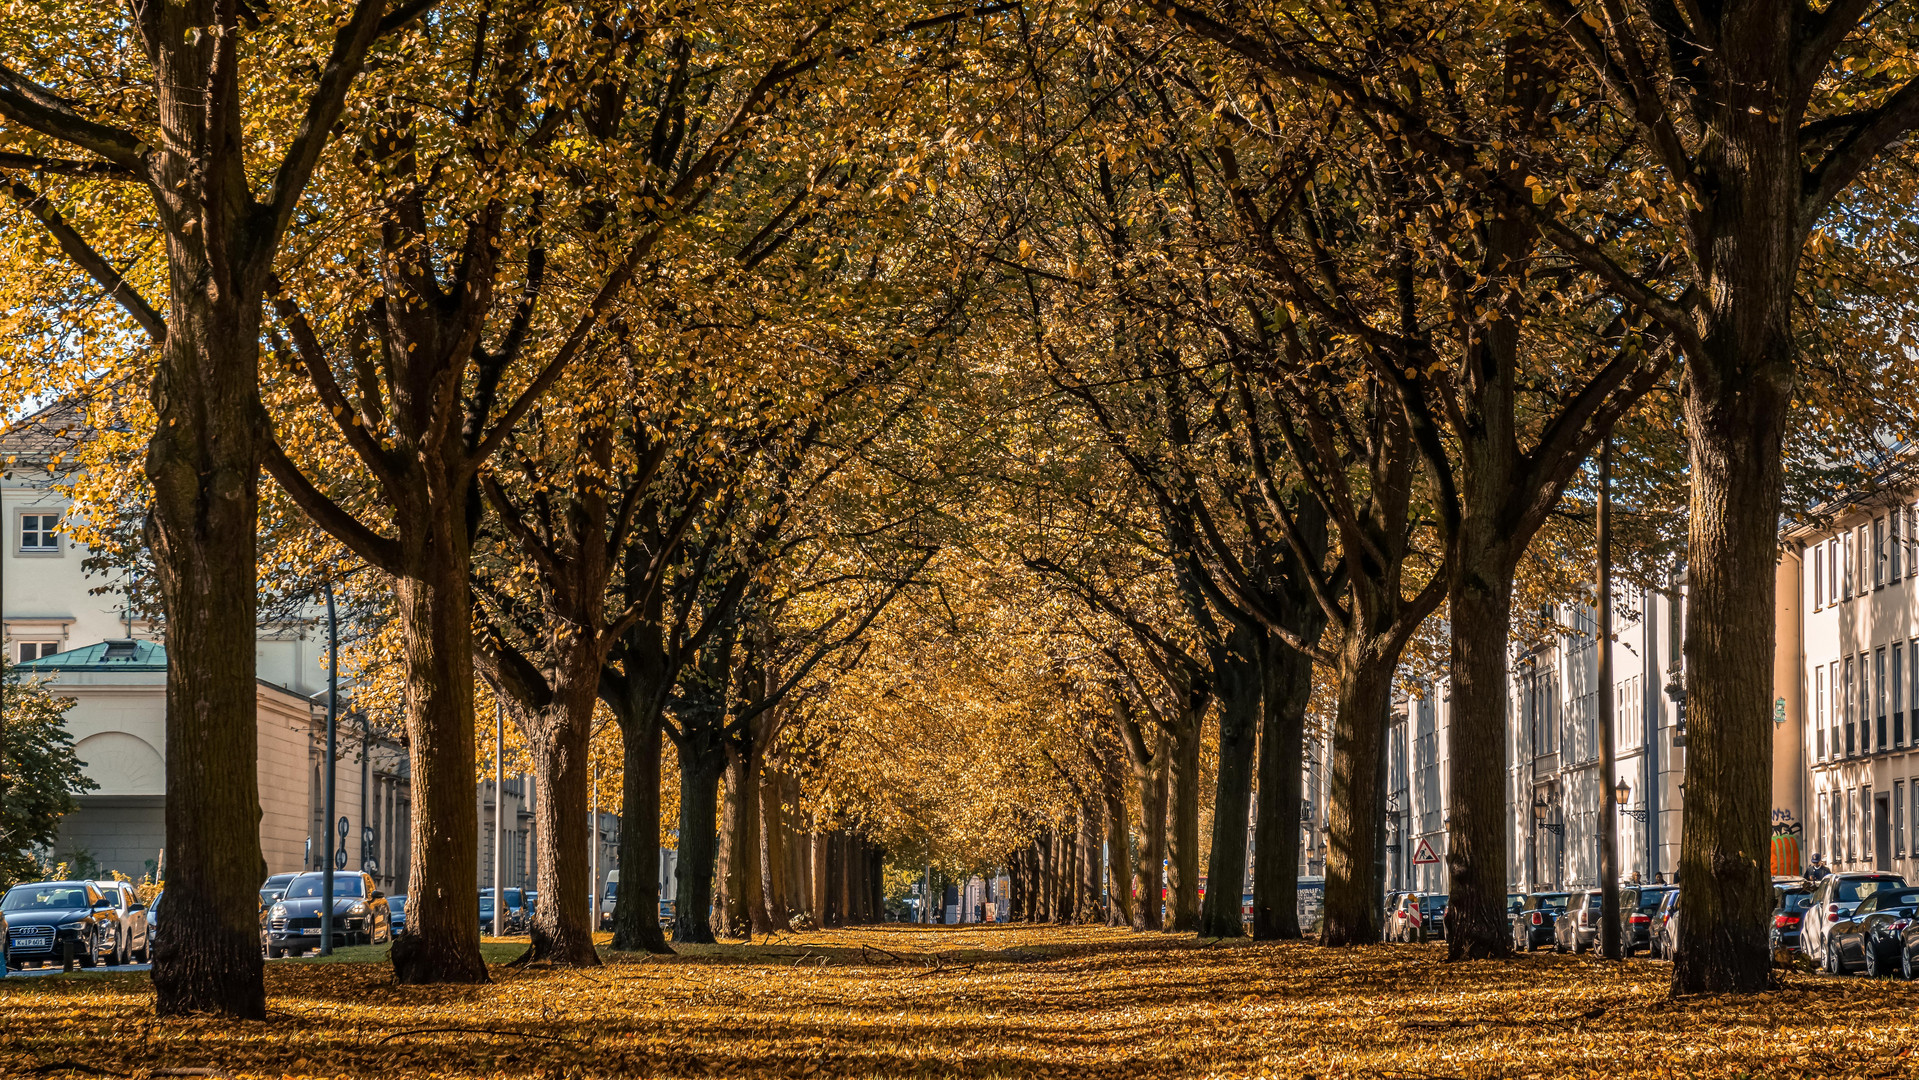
(42, 436)
(116, 655)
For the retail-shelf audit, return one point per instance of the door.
(1881, 833)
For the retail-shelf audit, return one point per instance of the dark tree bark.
(636, 910)
(1182, 840)
(1090, 866)
(1241, 686)
(821, 868)
(1288, 676)
(700, 770)
(1353, 888)
(775, 880)
(1119, 847)
(562, 930)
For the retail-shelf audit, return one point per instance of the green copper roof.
(104, 656)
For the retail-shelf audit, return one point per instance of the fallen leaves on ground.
(985, 1003)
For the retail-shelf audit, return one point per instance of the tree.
(38, 773)
(158, 102)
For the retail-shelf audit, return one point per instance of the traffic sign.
(339, 859)
(1423, 854)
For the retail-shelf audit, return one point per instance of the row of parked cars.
(1850, 922)
(94, 922)
(291, 907)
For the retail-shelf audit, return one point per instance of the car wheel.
(124, 954)
(1833, 966)
(1875, 967)
(90, 952)
(1905, 962)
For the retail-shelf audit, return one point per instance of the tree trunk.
(1353, 885)
(636, 910)
(562, 924)
(442, 942)
(1183, 843)
(775, 908)
(740, 840)
(1147, 870)
(1480, 596)
(1735, 428)
(1119, 855)
(203, 462)
(1090, 865)
(817, 875)
(700, 768)
(1239, 689)
(1288, 678)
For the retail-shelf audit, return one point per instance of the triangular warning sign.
(1423, 854)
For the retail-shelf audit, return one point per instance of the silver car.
(1832, 900)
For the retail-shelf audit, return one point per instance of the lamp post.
(1609, 946)
(332, 762)
(1622, 793)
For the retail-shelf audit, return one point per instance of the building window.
(1819, 712)
(39, 534)
(1832, 570)
(1898, 819)
(1894, 573)
(1898, 698)
(1852, 825)
(1832, 680)
(1878, 553)
(1879, 698)
(1818, 577)
(34, 650)
(1865, 824)
(1852, 720)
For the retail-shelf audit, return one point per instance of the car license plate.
(312, 931)
(30, 943)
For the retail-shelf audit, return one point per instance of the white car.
(1832, 900)
(131, 944)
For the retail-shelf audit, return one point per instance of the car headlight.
(279, 911)
(70, 923)
(358, 908)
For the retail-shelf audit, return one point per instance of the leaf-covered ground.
(985, 1003)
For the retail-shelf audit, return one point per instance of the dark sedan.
(1871, 935)
(1534, 920)
(1788, 912)
(275, 886)
(360, 914)
(1637, 907)
(396, 914)
(46, 920)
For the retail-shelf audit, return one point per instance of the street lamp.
(1676, 690)
(1623, 792)
(1539, 818)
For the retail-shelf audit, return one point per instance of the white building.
(1850, 666)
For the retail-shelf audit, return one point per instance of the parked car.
(360, 914)
(532, 902)
(1665, 926)
(396, 914)
(6, 964)
(1637, 907)
(130, 944)
(1788, 910)
(1870, 935)
(1417, 917)
(153, 921)
(486, 916)
(513, 920)
(607, 902)
(666, 915)
(1577, 928)
(275, 887)
(46, 918)
(1833, 899)
(1533, 922)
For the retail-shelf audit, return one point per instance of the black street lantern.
(1676, 690)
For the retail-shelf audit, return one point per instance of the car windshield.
(312, 885)
(396, 904)
(1432, 903)
(1794, 901)
(44, 898)
(1553, 903)
(1902, 898)
(1649, 899)
(513, 898)
(612, 889)
(486, 904)
(1853, 890)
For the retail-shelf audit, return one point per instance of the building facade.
(1856, 579)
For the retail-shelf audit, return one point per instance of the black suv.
(1534, 919)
